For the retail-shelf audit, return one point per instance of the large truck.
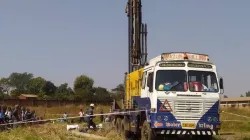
(175, 93)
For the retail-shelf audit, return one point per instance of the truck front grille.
(190, 109)
(194, 107)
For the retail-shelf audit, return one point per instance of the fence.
(45, 103)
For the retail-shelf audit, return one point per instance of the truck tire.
(147, 133)
(118, 125)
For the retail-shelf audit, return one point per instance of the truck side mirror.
(221, 84)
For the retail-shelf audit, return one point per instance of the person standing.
(81, 114)
(23, 113)
(1, 116)
(91, 117)
(65, 116)
(9, 114)
(28, 115)
(16, 115)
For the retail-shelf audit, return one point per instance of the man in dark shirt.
(28, 115)
(90, 118)
(16, 114)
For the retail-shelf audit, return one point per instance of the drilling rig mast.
(137, 36)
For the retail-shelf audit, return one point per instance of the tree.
(64, 92)
(35, 85)
(5, 85)
(241, 95)
(49, 88)
(225, 96)
(83, 82)
(20, 80)
(83, 87)
(119, 92)
(101, 95)
(248, 94)
(16, 92)
(63, 88)
(3, 95)
(85, 95)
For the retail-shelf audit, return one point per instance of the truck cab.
(183, 92)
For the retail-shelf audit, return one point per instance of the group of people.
(89, 116)
(16, 114)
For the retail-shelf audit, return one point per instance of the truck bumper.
(198, 128)
(185, 132)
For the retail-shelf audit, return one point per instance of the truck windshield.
(171, 80)
(200, 81)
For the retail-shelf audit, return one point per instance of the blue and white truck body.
(179, 94)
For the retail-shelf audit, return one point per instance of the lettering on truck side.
(204, 125)
(173, 124)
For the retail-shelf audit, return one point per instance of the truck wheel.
(147, 133)
(125, 128)
(118, 125)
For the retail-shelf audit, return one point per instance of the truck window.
(171, 80)
(144, 80)
(200, 81)
(150, 81)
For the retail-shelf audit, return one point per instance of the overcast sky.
(62, 39)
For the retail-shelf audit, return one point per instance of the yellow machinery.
(133, 86)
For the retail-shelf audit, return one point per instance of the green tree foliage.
(248, 94)
(16, 92)
(83, 82)
(63, 88)
(35, 85)
(83, 87)
(101, 95)
(25, 83)
(85, 95)
(64, 92)
(20, 80)
(3, 95)
(49, 88)
(118, 93)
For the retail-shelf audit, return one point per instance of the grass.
(56, 131)
(37, 132)
(233, 123)
(240, 126)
